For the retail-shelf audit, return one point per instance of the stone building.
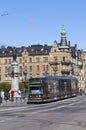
(39, 60)
(83, 72)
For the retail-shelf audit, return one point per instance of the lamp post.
(14, 73)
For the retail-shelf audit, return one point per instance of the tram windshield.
(35, 90)
(35, 86)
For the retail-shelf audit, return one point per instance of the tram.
(51, 88)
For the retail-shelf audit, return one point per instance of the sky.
(28, 22)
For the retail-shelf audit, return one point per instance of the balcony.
(67, 62)
(54, 63)
(65, 71)
(80, 64)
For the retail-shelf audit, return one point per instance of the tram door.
(64, 87)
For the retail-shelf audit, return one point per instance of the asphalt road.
(68, 114)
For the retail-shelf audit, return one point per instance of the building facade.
(40, 60)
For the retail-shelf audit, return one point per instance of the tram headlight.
(39, 95)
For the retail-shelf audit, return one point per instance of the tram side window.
(44, 86)
(73, 84)
(65, 85)
(56, 86)
(50, 86)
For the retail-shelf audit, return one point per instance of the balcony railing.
(65, 71)
(54, 62)
(67, 62)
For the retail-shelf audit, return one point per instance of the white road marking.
(50, 109)
(31, 107)
(2, 121)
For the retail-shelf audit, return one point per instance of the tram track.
(36, 107)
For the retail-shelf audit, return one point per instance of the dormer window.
(36, 51)
(20, 50)
(46, 51)
(42, 49)
(32, 50)
(30, 60)
(3, 52)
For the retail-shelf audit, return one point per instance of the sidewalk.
(16, 102)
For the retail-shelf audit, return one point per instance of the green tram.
(50, 88)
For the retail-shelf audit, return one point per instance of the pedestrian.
(19, 95)
(24, 94)
(2, 94)
(81, 92)
(78, 91)
(12, 95)
(0, 99)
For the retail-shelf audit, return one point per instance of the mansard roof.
(32, 50)
(36, 50)
(39, 50)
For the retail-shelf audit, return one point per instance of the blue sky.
(40, 22)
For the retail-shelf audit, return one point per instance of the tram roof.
(55, 77)
(59, 77)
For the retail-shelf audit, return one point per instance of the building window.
(20, 60)
(47, 67)
(55, 58)
(54, 50)
(6, 69)
(63, 58)
(6, 77)
(9, 61)
(9, 69)
(30, 68)
(37, 59)
(45, 59)
(25, 60)
(5, 61)
(30, 60)
(20, 74)
(0, 69)
(20, 68)
(37, 68)
(37, 74)
(43, 67)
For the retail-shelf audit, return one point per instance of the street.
(69, 114)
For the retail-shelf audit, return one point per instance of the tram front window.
(35, 91)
